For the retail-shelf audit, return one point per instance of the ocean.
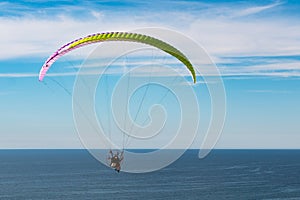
(223, 174)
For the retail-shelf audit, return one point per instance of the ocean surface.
(223, 174)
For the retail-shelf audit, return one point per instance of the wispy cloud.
(256, 9)
(228, 35)
(18, 75)
(270, 91)
(281, 66)
(170, 68)
(30, 34)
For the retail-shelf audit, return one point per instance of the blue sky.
(255, 44)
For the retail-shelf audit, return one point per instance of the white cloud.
(245, 38)
(270, 91)
(32, 35)
(18, 75)
(281, 69)
(29, 36)
(171, 68)
(255, 9)
(220, 36)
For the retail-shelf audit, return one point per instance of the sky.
(254, 44)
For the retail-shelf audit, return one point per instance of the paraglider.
(116, 159)
(116, 36)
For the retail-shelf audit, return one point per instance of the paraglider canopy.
(116, 36)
